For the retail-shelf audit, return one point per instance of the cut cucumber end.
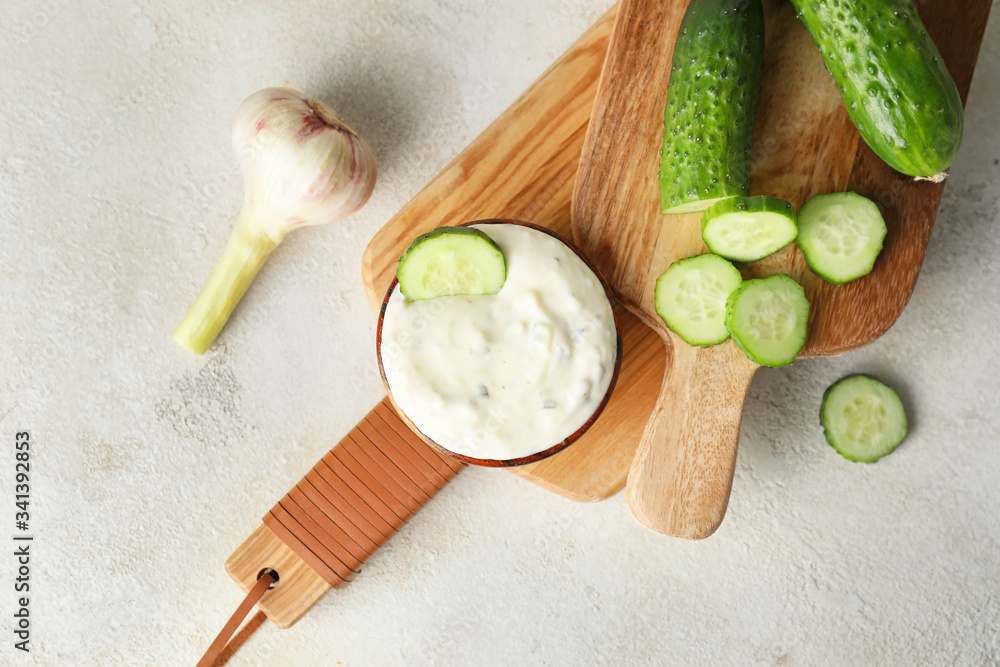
(691, 206)
(767, 319)
(712, 99)
(841, 235)
(451, 261)
(745, 229)
(691, 298)
(863, 419)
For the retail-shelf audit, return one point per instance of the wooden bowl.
(538, 456)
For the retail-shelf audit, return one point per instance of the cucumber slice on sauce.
(863, 418)
(745, 229)
(840, 235)
(451, 261)
(691, 298)
(767, 318)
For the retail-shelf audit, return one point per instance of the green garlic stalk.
(301, 166)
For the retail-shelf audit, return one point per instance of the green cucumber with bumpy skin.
(892, 78)
(745, 229)
(712, 101)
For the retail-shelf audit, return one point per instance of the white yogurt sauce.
(507, 375)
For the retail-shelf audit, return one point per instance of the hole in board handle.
(273, 573)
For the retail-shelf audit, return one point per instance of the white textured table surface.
(117, 191)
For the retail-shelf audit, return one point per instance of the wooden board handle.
(358, 496)
(682, 473)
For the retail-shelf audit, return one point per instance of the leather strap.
(362, 492)
(214, 655)
(354, 499)
(244, 634)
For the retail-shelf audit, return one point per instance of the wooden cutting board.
(804, 144)
(523, 167)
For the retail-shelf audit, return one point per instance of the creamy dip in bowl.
(510, 378)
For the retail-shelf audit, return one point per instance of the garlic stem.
(247, 250)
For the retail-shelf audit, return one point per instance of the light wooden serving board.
(523, 167)
(804, 144)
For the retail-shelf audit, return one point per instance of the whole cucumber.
(892, 78)
(712, 101)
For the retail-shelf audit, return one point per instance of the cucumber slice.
(451, 261)
(745, 229)
(767, 319)
(840, 235)
(712, 99)
(691, 298)
(862, 418)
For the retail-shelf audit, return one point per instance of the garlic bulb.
(301, 166)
